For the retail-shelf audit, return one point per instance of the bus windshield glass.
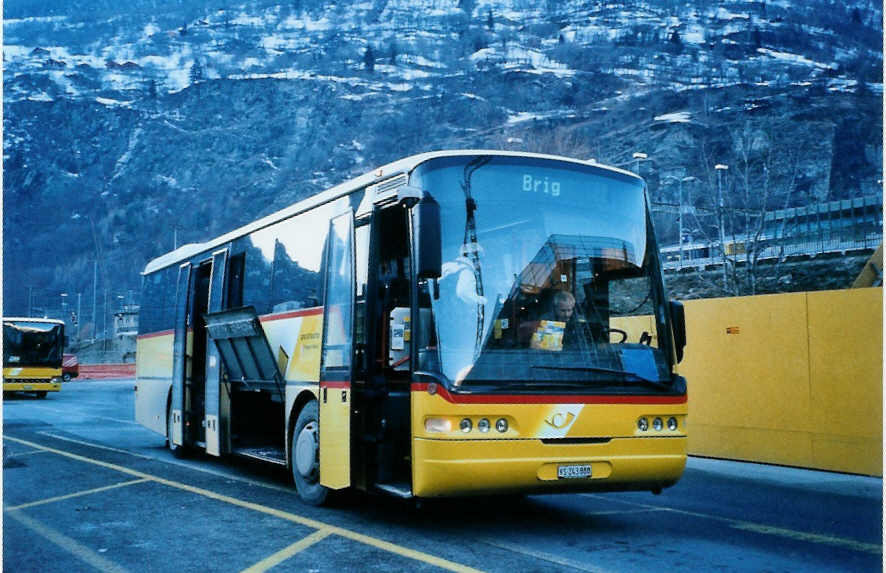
(28, 343)
(543, 264)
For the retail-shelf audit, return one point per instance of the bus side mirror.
(428, 243)
(678, 323)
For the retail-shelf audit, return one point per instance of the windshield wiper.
(630, 376)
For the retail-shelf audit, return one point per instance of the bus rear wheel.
(305, 455)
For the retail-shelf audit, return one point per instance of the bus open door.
(336, 364)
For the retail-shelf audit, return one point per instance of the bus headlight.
(657, 424)
(438, 425)
(483, 425)
(642, 424)
(672, 423)
(501, 425)
(466, 425)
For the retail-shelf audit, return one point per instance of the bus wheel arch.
(304, 449)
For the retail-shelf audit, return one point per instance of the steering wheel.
(624, 335)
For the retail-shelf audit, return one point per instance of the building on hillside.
(126, 321)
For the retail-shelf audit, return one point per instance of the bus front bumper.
(469, 467)
(31, 386)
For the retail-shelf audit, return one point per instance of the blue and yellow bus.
(453, 323)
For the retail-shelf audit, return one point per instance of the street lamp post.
(720, 169)
(680, 209)
(79, 318)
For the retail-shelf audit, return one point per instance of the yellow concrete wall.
(793, 379)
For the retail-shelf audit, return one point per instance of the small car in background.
(70, 367)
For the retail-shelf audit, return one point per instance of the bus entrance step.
(271, 454)
(396, 489)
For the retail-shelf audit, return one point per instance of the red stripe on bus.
(263, 318)
(292, 314)
(547, 398)
(342, 385)
(154, 334)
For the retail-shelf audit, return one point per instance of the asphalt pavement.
(86, 488)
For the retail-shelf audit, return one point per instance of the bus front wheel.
(305, 455)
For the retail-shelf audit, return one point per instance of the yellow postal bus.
(32, 355)
(454, 323)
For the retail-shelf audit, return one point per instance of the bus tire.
(41, 394)
(305, 455)
(178, 452)
(66, 377)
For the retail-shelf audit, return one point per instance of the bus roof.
(28, 319)
(404, 165)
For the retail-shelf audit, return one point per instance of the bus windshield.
(543, 261)
(32, 344)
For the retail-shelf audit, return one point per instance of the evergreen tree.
(196, 73)
(676, 42)
(369, 59)
(490, 21)
(756, 38)
(856, 16)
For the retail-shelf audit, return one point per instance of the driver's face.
(563, 310)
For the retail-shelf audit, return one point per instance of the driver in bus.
(556, 328)
(562, 306)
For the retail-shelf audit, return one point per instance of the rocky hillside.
(129, 128)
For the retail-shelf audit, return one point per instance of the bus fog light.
(501, 425)
(672, 423)
(657, 424)
(466, 425)
(438, 425)
(483, 425)
(642, 424)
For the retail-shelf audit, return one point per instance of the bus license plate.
(574, 471)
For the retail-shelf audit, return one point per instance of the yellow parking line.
(763, 529)
(82, 552)
(288, 552)
(346, 533)
(75, 494)
(810, 537)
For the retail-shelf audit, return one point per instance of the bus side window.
(235, 280)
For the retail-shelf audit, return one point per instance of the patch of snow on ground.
(724, 14)
(13, 51)
(421, 61)
(306, 23)
(675, 117)
(112, 102)
(42, 19)
(794, 58)
(42, 96)
(244, 19)
(275, 42)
